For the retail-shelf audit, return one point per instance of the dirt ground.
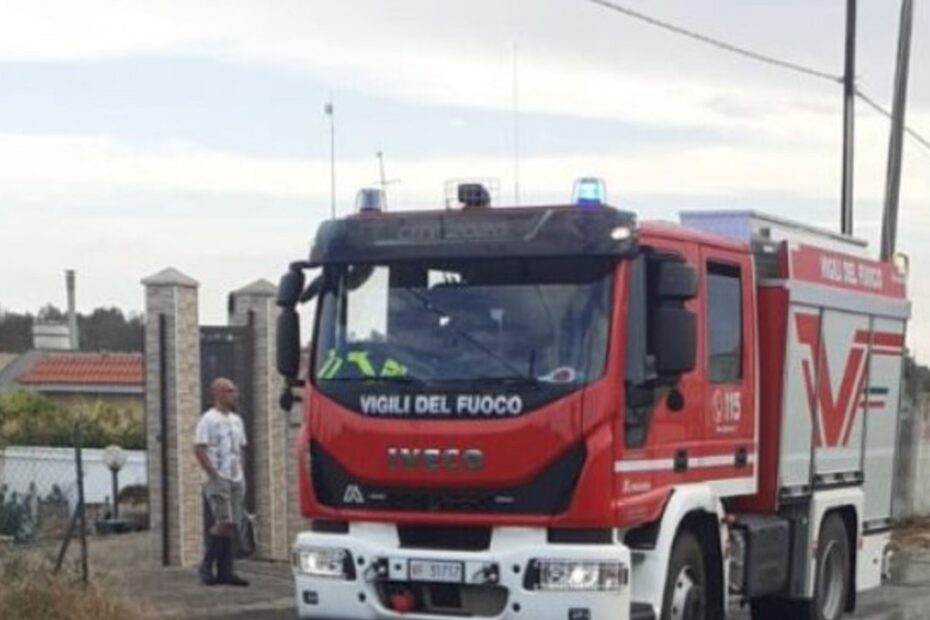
(126, 568)
(913, 534)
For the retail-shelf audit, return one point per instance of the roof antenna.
(383, 181)
(516, 125)
(330, 111)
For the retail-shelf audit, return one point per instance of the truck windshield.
(514, 322)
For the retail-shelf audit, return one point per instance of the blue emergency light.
(370, 201)
(589, 192)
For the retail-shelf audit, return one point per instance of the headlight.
(324, 562)
(576, 575)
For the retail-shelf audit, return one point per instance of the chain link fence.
(54, 497)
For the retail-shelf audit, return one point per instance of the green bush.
(30, 419)
(15, 518)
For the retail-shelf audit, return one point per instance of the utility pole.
(849, 121)
(896, 142)
(330, 112)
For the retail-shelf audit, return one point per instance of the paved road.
(175, 593)
(907, 597)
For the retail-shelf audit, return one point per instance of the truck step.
(642, 611)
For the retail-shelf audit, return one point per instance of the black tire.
(685, 570)
(831, 586)
(830, 598)
(769, 608)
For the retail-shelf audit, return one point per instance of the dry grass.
(28, 591)
(912, 534)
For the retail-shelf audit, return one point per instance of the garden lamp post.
(114, 457)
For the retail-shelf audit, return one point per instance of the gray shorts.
(226, 499)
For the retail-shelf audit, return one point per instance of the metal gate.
(228, 352)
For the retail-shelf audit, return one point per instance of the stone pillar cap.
(170, 277)
(259, 288)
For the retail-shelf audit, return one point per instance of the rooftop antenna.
(330, 112)
(383, 181)
(516, 125)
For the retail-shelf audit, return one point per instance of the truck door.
(663, 423)
(728, 449)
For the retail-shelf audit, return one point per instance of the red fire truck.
(565, 413)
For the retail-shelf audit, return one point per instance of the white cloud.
(56, 186)
(577, 60)
(803, 162)
(782, 134)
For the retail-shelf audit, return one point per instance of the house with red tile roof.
(120, 373)
(78, 379)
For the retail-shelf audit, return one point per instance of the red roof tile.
(86, 369)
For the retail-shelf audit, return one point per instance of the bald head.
(224, 394)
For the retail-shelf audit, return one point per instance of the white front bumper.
(511, 550)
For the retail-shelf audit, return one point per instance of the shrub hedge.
(30, 419)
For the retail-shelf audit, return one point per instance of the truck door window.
(724, 323)
(639, 393)
(367, 308)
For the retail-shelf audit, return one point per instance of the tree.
(108, 329)
(50, 312)
(105, 329)
(15, 332)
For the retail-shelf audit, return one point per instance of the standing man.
(218, 446)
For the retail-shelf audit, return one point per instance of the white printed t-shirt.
(224, 436)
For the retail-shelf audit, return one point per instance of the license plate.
(437, 571)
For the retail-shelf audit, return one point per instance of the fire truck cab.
(566, 413)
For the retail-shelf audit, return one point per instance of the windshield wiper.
(400, 380)
(432, 307)
(511, 382)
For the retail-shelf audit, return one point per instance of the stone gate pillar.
(268, 448)
(296, 522)
(172, 406)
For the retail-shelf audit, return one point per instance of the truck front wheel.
(685, 595)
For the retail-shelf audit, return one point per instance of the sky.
(136, 134)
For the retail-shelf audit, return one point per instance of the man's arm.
(243, 443)
(200, 451)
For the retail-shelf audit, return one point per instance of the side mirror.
(288, 341)
(290, 288)
(312, 290)
(676, 280)
(675, 340)
(287, 399)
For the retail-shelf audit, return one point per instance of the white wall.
(21, 466)
(920, 486)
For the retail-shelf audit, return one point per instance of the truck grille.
(449, 600)
(444, 538)
(550, 493)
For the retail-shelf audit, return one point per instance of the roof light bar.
(589, 192)
(370, 200)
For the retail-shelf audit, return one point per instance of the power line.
(753, 55)
(884, 112)
(729, 47)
